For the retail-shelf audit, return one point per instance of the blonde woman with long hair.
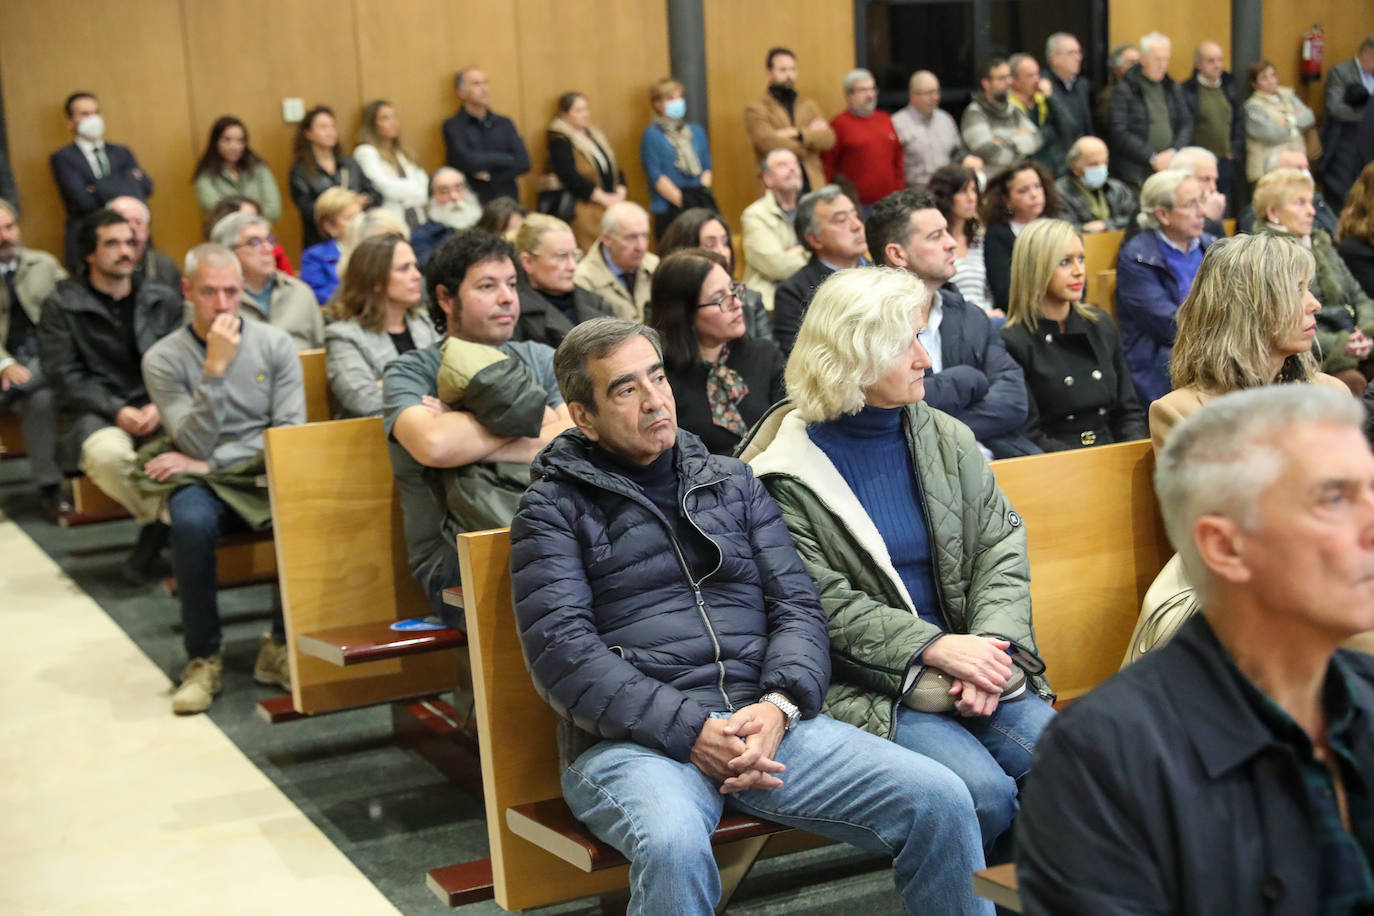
(1249, 320)
(1080, 389)
(389, 165)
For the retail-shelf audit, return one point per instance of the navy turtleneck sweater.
(657, 480)
(869, 449)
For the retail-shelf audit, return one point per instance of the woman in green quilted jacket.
(919, 559)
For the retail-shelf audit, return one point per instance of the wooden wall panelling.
(609, 50)
(128, 54)
(1186, 22)
(1345, 22)
(244, 58)
(821, 32)
(409, 51)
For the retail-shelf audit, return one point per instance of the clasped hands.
(738, 752)
(979, 666)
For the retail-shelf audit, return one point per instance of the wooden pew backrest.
(1100, 250)
(317, 408)
(516, 732)
(1096, 542)
(1104, 288)
(341, 560)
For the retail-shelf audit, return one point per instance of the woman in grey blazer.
(377, 317)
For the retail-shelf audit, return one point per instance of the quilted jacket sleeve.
(798, 660)
(572, 668)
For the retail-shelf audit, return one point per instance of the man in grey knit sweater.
(218, 384)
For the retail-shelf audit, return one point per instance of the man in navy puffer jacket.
(666, 616)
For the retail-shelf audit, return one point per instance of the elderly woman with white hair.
(1345, 324)
(919, 558)
(1154, 272)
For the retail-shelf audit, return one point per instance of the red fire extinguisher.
(1313, 50)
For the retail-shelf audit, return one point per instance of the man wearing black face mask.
(90, 172)
(784, 120)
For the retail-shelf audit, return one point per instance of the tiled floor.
(112, 805)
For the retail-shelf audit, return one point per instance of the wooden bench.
(341, 558)
(1099, 251)
(317, 405)
(1102, 291)
(12, 436)
(1095, 544)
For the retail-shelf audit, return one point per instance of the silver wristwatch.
(789, 709)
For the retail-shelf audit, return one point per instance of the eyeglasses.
(734, 295)
(269, 241)
(565, 257)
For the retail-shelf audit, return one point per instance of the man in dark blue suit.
(90, 172)
(972, 376)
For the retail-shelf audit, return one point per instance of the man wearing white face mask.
(90, 172)
(1087, 197)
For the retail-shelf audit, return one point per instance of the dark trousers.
(199, 518)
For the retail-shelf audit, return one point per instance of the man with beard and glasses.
(784, 120)
(451, 206)
(993, 128)
(92, 335)
(866, 149)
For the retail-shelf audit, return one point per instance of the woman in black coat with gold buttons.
(1080, 390)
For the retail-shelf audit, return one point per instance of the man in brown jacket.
(782, 120)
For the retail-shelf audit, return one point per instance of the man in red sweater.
(866, 149)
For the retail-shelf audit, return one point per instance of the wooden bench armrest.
(371, 642)
(998, 884)
(550, 825)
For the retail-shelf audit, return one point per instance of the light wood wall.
(193, 62)
(821, 32)
(1188, 23)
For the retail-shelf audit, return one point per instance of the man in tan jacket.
(783, 120)
(772, 252)
(618, 267)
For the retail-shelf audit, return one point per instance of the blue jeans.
(840, 782)
(199, 518)
(991, 754)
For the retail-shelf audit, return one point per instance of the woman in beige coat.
(1274, 119)
(1248, 321)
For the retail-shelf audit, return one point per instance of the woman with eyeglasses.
(722, 379)
(550, 303)
(699, 227)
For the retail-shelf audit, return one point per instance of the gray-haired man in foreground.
(1231, 770)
